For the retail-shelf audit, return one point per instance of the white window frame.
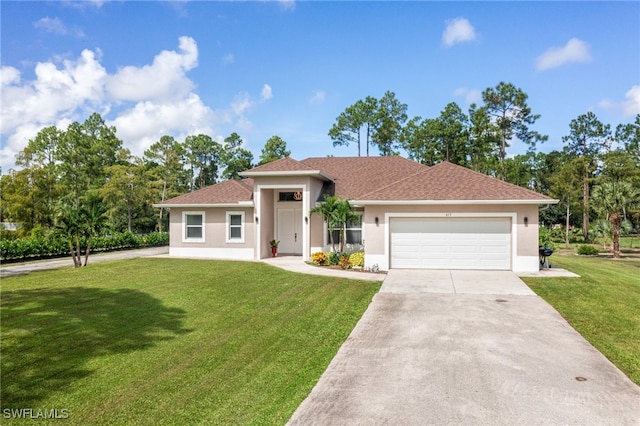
(228, 227)
(361, 229)
(185, 239)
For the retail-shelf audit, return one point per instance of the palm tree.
(343, 214)
(69, 225)
(612, 200)
(326, 210)
(95, 221)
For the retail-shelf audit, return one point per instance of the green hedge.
(56, 246)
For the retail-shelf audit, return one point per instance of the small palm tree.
(343, 214)
(95, 221)
(612, 200)
(326, 210)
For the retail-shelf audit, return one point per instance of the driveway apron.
(467, 347)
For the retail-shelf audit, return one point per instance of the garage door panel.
(452, 243)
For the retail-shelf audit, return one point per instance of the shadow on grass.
(48, 335)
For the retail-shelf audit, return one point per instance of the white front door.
(290, 231)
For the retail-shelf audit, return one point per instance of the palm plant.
(326, 209)
(612, 200)
(342, 215)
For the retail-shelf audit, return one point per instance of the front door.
(290, 231)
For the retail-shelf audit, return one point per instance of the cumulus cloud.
(317, 97)
(629, 107)
(631, 104)
(164, 80)
(575, 50)
(266, 92)
(470, 95)
(458, 30)
(144, 102)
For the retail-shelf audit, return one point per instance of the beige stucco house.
(411, 215)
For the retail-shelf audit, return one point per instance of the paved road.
(24, 268)
(459, 351)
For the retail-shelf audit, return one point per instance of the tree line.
(85, 172)
(594, 156)
(84, 175)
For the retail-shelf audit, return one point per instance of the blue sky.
(288, 68)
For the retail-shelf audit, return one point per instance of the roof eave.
(205, 205)
(313, 173)
(449, 202)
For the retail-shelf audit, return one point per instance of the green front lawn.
(603, 304)
(172, 341)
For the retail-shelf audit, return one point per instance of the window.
(193, 226)
(235, 227)
(290, 196)
(353, 232)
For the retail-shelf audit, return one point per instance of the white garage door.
(451, 243)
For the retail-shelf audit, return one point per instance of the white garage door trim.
(496, 253)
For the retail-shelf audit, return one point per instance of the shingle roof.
(286, 164)
(447, 181)
(227, 192)
(357, 176)
(373, 179)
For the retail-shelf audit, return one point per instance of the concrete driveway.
(467, 347)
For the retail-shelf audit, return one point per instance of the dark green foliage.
(587, 250)
(58, 246)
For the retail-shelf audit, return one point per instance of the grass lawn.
(603, 304)
(172, 341)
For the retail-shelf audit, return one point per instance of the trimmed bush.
(334, 258)
(585, 250)
(357, 259)
(56, 246)
(343, 263)
(319, 258)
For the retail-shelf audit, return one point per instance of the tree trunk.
(86, 253)
(585, 206)
(616, 225)
(566, 227)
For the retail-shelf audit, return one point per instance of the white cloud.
(287, 4)
(144, 102)
(266, 92)
(317, 97)
(165, 79)
(56, 92)
(575, 50)
(147, 121)
(631, 104)
(629, 107)
(9, 75)
(458, 30)
(51, 25)
(228, 59)
(470, 95)
(56, 26)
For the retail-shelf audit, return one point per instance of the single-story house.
(410, 215)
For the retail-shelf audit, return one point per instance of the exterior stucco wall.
(215, 243)
(265, 199)
(525, 256)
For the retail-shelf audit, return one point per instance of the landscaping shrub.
(319, 258)
(334, 258)
(343, 263)
(357, 259)
(51, 245)
(585, 250)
